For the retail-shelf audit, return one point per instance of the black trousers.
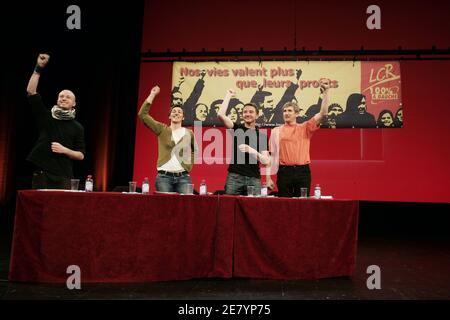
(291, 178)
(45, 180)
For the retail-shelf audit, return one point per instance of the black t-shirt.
(241, 162)
(69, 133)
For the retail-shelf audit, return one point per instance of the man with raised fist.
(61, 137)
(249, 148)
(176, 147)
(289, 147)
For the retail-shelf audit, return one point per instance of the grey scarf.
(63, 114)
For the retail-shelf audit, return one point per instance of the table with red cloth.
(116, 237)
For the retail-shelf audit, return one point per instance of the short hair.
(173, 107)
(293, 105)
(71, 92)
(251, 104)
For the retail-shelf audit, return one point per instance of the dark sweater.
(243, 163)
(69, 133)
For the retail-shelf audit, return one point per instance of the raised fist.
(324, 84)
(155, 90)
(231, 92)
(298, 73)
(42, 60)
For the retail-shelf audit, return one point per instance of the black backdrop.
(100, 63)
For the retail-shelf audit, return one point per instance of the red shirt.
(290, 143)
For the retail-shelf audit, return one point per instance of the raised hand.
(155, 90)
(231, 93)
(153, 93)
(42, 60)
(299, 73)
(324, 84)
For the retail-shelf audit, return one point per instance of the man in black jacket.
(61, 137)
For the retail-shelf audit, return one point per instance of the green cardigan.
(165, 142)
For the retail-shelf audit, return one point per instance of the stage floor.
(410, 269)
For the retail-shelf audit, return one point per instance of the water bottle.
(145, 186)
(317, 192)
(89, 185)
(264, 190)
(203, 188)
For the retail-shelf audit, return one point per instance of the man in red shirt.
(289, 147)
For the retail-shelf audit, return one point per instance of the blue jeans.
(237, 184)
(168, 183)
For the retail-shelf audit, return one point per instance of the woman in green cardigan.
(176, 147)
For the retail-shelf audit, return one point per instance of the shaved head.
(66, 99)
(69, 92)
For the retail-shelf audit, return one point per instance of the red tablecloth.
(116, 237)
(295, 239)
